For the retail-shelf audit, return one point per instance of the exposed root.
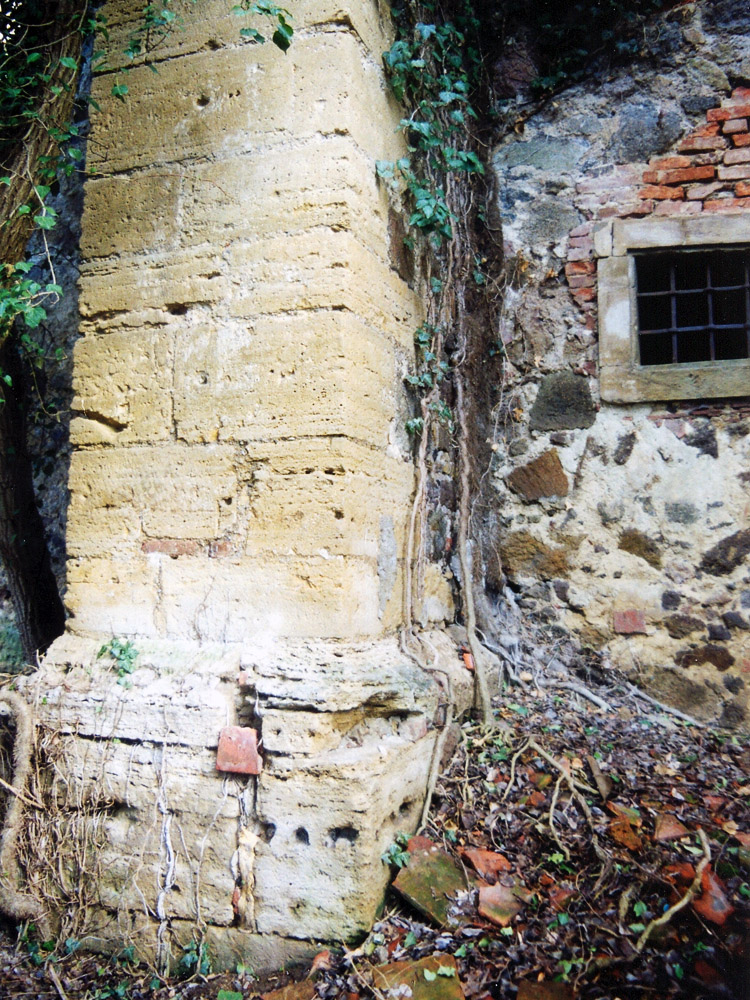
(14, 903)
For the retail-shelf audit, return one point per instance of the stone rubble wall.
(240, 485)
(625, 526)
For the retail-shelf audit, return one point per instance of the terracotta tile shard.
(668, 827)
(500, 903)
(698, 144)
(670, 162)
(238, 751)
(488, 864)
(741, 140)
(430, 883)
(560, 896)
(713, 904)
(432, 978)
(629, 622)
(528, 989)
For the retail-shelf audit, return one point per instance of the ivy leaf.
(45, 221)
(119, 90)
(252, 33)
(68, 62)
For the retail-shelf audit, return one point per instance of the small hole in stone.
(203, 101)
(338, 514)
(344, 833)
(301, 835)
(228, 501)
(268, 831)
(177, 309)
(405, 807)
(213, 44)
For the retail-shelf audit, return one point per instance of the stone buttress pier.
(239, 495)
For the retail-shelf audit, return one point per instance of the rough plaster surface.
(651, 525)
(239, 490)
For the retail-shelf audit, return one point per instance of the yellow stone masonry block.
(159, 282)
(105, 596)
(130, 214)
(214, 25)
(324, 270)
(325, 181)
(326, 497)
(123, 387)
(200, 105)
(237, 601)
(292, 374)
(175, 490)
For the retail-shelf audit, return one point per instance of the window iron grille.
(693, 305)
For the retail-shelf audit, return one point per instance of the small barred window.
(693, 305)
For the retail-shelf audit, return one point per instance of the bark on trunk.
(24, 554)
(40, 616)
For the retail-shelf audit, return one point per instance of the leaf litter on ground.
(570, 854)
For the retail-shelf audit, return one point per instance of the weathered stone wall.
(239, 490)
(626, 526)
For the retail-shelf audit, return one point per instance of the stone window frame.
(622, 379)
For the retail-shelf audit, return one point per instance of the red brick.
(740, 94)
(630, 622)
(671, 162)
(685, 174)
(581, 281)
(584, 294)
(727, 205)
(660, 193)
(172, 547)
(734, 125)
(742, 190)
(583, 230)
(577, 253)
(678, 208)
(580, 267)
(740, 173)
(701, 191)
(581, 241)
(741, 140)
(697, 144)
(703, 131)
(238, 751)
(726, 113)
(737, 156)
(650, 176)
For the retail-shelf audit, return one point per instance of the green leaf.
(446, 970)
(281, 38)
(68, 62)
(45, 221)
(119, 90)
(430, 976)
(253, 34)
(228, 995)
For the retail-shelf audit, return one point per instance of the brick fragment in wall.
(630, 622)
(542, 477)
(238, 751)
(741, 140)
(734, 125)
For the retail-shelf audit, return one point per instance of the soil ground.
(572, 851)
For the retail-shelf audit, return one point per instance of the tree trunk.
(40, 616)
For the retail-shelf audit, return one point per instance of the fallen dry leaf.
(668, 827)
(632, 816)
(530, 990)
(624, 834)
(713, 904)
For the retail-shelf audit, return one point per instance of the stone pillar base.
(259, 867)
